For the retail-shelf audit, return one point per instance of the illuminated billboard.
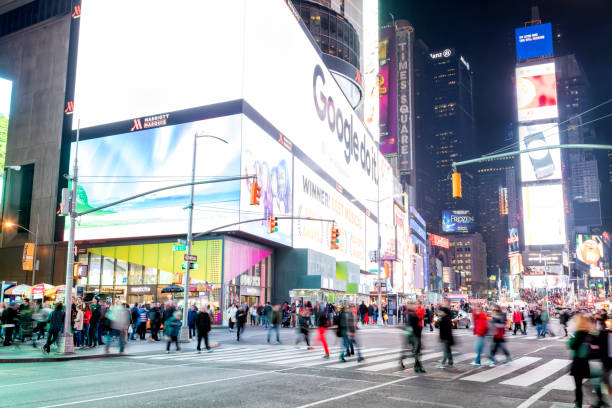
(536, 92)
(437, 240)
(457, 221)
(119, 166)
(590, 250)
(534, 41)
(543, 215)
(6, 88)
(540, 164)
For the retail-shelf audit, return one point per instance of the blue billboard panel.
(534, 41)
(457, 221)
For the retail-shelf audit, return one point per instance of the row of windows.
(334, 35)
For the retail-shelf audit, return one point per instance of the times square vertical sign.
(405, 101)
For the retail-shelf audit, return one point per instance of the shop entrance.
(249, 300)
(140, 299)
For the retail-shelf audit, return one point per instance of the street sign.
(193, 265)
(181, 241)
(373, 256)
(190, 258)
(179, 248)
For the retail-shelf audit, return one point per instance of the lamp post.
(184, 328)
(10, 224)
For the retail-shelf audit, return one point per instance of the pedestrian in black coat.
(580, 345)
(203, 323)
(446, 336)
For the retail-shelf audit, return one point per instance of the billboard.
(516, 264)
(536, 92)
(457, 221)
(405, 100)
(541, 164)
(439, 241)
(513, 240)
(545, 281)
(119, 166)
(543, 215)
(369, 42)
(387, 91)
(590, 250)
(6, 89)
(534, 41)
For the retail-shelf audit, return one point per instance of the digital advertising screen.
(272, 163)
(590, 250)
(534, 41)
(115, 167)
(540, 164)
(457, 221)
(6, 89)
(543, 215)
(536, 92)
(137, 69)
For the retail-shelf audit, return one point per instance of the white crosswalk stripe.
(388, 365)
(502, 370)
(539, 373)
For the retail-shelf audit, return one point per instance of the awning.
(39, 291)
(18, 290)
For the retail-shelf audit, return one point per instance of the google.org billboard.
(534, 41)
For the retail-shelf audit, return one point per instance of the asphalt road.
(253, 373)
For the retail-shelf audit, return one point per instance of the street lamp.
(378, 200)
(185, 329)
(10, 224)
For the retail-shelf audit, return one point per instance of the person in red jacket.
(420, 314)
(481, 327)
(517, 318)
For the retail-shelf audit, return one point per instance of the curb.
(52, 359)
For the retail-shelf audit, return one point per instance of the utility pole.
(66, 343)
(34, 264)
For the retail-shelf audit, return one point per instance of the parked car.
(459, 319)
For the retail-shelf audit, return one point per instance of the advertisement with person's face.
(6, 88)
(115, 167)
(536, 92)
(272, 163)
(540, 164)
(543, 215)
(590, 250)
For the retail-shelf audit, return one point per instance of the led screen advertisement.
(457, 221)
(534, 41)
(137, 69)
(388, 142)
(119, 166)
(272, 163)
(6, 88)
(536, 92)
(314, 198)
(540, 164)
(590, 250)
(543, 215)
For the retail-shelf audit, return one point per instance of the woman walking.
(580, 345)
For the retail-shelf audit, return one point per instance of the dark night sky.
(483, 31)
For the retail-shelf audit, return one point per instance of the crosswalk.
(524, 371)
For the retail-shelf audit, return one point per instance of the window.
(94, 270)
(135, 274)
(150, 276)
(108, 271)
(121, 273)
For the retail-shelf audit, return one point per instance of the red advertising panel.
(439, 241)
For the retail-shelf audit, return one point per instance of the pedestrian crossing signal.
(255, 193)
(335, 234)
(456, 180)
(273, 224)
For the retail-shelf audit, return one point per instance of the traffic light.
(456, 180)
(273, 224)
(255, 193)
(335, 234)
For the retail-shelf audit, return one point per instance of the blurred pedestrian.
(143, 318)
(524, 320)
(155, 321)
(563, 320)
(78, 326)
(446, 335)
(92, 340)
(581, 346)
(481, 327)
(274, 321)
(499, 325)
(203, 324)
(231, 315)
(86, 324)
(118, 321)
(411, 345)
(191, 315)
(517, 319)
(241, 318)
(322, 324)
(173, 328)
(9, 317)
(253, 314)
(303, 324)
(56, 324)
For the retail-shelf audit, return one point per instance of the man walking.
(274, 321)
(499, 324)
(56, 324)
(191, 315)
(517, 319)
(481, 327)
(202, 322)
(363, 311)
(446, 335)
(92, 341)
(524, 320)
(241, 318)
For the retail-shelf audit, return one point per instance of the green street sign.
(194, 265)
(179, 247)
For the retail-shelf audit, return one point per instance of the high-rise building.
(468, 254)
(451, 136)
